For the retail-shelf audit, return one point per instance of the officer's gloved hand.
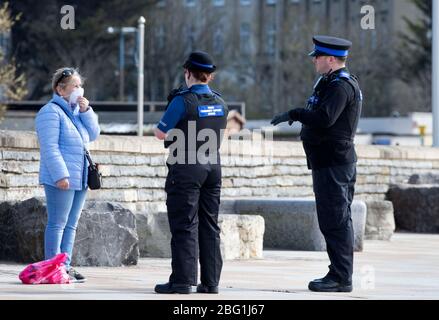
(280, 118)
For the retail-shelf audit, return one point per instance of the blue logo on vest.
(313, 100)
(211, 111)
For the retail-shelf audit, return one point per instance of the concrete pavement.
(405, 268)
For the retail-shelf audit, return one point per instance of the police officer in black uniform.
(193, 127)
(329, 123)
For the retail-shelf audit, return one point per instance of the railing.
(113, 106)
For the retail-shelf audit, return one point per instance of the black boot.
(170, 287)
(201, 288)
(328, 285)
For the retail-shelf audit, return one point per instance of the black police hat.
(330, 46)
(199, 60)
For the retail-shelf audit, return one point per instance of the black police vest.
(334, 145)
(205, 119)
(346, 125)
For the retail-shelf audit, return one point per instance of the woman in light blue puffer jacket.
(65, 125)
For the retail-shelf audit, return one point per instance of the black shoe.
(75, 276)
(324, 279)
(173, 288)
(201, 288)
(328, 285)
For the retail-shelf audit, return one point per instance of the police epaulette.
(217, 93)
(182, 92)
(341, 75)
(354, 77)
(344, 75)
(174, 93)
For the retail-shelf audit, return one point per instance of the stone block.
(16, 155)
(154, 234)
(415, 207)
(241, 236)
(292, 224)
(380, 221)
(106, 234)
(424, 178)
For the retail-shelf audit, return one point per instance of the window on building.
(316, 26)
(373, 40)
(245, 38)
(362, 38)
(245, 2)
(191, 37)
(5, 41)
(190, 3)
(218, 41)
(271, 2)
(160, 37)
(160, 87)
(270, 45)
(218, 3)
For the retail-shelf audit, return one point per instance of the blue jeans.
(64, 208)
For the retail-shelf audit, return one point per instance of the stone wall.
(134, 169)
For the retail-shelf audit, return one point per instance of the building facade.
(260, 46)
(5, 45)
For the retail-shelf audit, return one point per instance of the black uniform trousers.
(334, 192)
(193, 198)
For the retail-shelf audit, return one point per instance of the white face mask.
(78, 92)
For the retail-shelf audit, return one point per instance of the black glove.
(280, 118)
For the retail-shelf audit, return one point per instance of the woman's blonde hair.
(62, 76)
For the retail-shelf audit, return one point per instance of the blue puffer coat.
(62, 145)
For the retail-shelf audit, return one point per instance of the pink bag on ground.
(52, 271)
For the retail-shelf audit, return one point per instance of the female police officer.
(193, 184)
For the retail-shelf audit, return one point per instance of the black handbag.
(94, 176)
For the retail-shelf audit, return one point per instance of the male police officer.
(329, 123)
(196, 116)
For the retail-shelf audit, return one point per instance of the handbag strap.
(87, 153)
(90, 161)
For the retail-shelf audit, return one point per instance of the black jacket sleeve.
(329, 109)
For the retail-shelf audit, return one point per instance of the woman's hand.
(83, 104)
(63, 184)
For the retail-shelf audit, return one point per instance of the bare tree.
(12, 86)
(40, 41)
(170, 36)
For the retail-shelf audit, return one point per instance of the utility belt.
(193, 157)
(318, 140)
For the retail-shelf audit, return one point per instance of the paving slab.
(404, 268)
